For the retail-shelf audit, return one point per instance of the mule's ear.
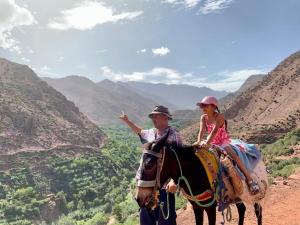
(161, 142)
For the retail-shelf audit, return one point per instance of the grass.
(284, 168)
(282, 146)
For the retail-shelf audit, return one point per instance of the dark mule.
(162, 161)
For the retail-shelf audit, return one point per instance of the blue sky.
(213, 43)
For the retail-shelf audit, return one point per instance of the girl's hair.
(226, 124)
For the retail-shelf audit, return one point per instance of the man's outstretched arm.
(133, 126)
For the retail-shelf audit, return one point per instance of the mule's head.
(148, 177)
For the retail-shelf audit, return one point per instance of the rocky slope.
(272, 108)
(36, 117)
(251, 82)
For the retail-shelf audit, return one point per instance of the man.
(160, 117)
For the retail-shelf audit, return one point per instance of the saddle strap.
(206, 195)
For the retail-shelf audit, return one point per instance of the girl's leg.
(239, 162)
(253, 185)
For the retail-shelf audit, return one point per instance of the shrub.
(284, 168)
(65, 220)
(98, 219)
(285, 171)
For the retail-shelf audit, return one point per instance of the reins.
(184, 179)
(218, 193)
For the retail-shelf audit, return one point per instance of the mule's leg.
(258, 213)
(241, 209)
(198, 211)
(211, 214)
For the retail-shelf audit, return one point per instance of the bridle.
(160, 161)
(160, 156)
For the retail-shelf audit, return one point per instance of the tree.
(98, 219)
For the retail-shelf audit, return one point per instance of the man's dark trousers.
(150, 217)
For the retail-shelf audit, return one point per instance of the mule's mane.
(185, 152)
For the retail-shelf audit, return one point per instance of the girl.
(214, 123)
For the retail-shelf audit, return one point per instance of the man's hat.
(159, 109)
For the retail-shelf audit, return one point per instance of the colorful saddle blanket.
(209, 160)
(248, 153)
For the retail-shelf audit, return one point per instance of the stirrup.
(253, 187)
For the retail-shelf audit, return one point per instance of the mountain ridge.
(181, 95)
(102, 104)
(34, 116)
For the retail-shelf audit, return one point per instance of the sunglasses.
(204, 105)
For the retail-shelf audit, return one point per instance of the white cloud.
(45, 68)
(15, 49)
(60, 59)
(45, 73)
(25, 59)
(101, 51)
(202, 67)
(156, 75)
(206, 7)
(141, 51)
(186, 3)
(82, 66)
(231, 81)
(12, 16)
(241, 75)
(30, 51)
(162, 51)
(87, 14)
(213, 6)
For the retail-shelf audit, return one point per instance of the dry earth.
(280, 207)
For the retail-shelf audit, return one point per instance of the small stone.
(285, 182)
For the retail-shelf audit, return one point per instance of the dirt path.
(280, 207)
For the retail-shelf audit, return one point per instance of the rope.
(218, 194)
(183, 178)
(161, 205)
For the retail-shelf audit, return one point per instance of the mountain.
(251, 82)
(266, 111)
(270, 109)
(36, 117)
(103, 102)
(182, 96)
(123, 88)
(185, 118)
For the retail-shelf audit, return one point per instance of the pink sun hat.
(208, 100)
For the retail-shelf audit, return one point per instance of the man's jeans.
(150, 217)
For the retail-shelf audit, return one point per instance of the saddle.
(233, 186)
(232, 183)
(209, 160)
